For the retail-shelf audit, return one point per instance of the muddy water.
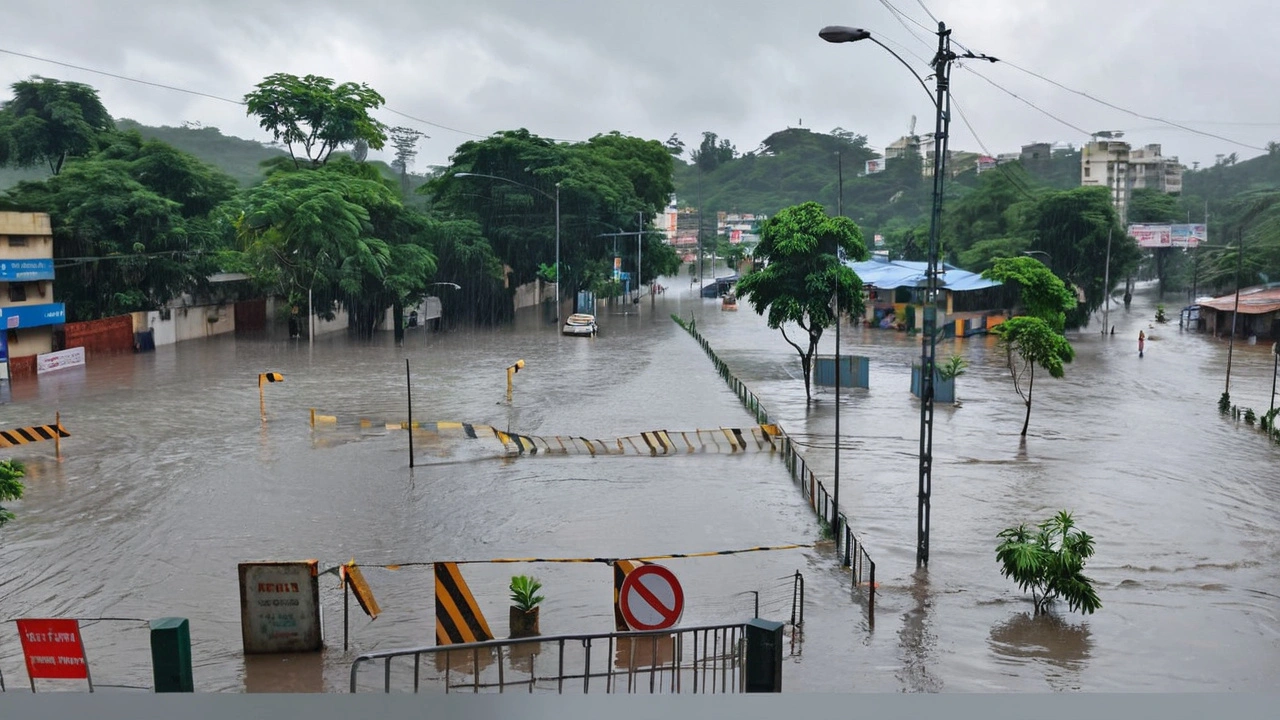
(170, 478)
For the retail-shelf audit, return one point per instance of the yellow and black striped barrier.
(263, 379)
(458, 616)
(36, 433)
(652, 443)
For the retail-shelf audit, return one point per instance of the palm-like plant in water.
(1049, 561)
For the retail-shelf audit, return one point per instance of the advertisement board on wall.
(875, 166)
(48, 362)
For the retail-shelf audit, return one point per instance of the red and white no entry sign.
(651, 598)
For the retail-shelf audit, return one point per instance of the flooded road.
(170, 479)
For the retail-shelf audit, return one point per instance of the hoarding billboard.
(1158, 236)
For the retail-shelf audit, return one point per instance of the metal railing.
(704, 659)
(853, 553)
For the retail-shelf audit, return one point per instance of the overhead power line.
(1077, 128)
(926, 10)
(1016, 182)
(123, 77)
(1131, 112)
(205, 94)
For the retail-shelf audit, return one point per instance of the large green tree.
(48, 121)
(313, 116)
(134, 226)
(339, 234)
(802, 248)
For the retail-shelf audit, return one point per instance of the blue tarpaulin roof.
(890, 274)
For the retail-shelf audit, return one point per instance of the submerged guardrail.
(853, 553)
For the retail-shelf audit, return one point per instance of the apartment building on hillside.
(1121, 169)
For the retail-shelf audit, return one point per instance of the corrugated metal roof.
(890, 274)
(1253, 301)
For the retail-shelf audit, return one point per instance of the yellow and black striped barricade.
(458, 616)
(36, 433)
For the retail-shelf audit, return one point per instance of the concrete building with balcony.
(1149, 169)
(1121, 169)
(28, 314)
(1106, 163)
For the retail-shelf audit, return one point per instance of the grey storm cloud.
(743, 69)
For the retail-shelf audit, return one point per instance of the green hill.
(235, 156)
(239, 158)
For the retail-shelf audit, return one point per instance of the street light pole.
(557, 254)
(941, 99)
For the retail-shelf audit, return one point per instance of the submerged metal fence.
(704, 659)
(853, 553)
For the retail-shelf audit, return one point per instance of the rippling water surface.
(170, 479)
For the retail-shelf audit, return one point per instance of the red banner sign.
(53, 649)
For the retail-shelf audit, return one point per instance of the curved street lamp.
(556, 198)
(941, 101)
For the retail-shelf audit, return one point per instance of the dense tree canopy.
(802, 248)
(608, 184)
(48, 121)
(340, 234)
(133, 225)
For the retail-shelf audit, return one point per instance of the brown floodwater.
(170, 479)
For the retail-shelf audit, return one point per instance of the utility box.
(944, 391)
(764, 657)
(854, 371)
(171, 655)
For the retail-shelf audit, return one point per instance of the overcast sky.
(568, 69)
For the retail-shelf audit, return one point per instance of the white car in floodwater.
(581, 324)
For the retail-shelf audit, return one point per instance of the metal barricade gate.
(703, 659)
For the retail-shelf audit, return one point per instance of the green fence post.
(171, 655)
(764, 657)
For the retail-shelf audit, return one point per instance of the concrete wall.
(276, 317)
(532, 293)
(189, 323)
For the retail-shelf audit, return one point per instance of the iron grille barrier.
(853, 553)
(704, 659)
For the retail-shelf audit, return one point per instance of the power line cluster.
(907, 21)
(912, 25)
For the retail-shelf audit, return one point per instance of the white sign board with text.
(48, 362)
(280, 607)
